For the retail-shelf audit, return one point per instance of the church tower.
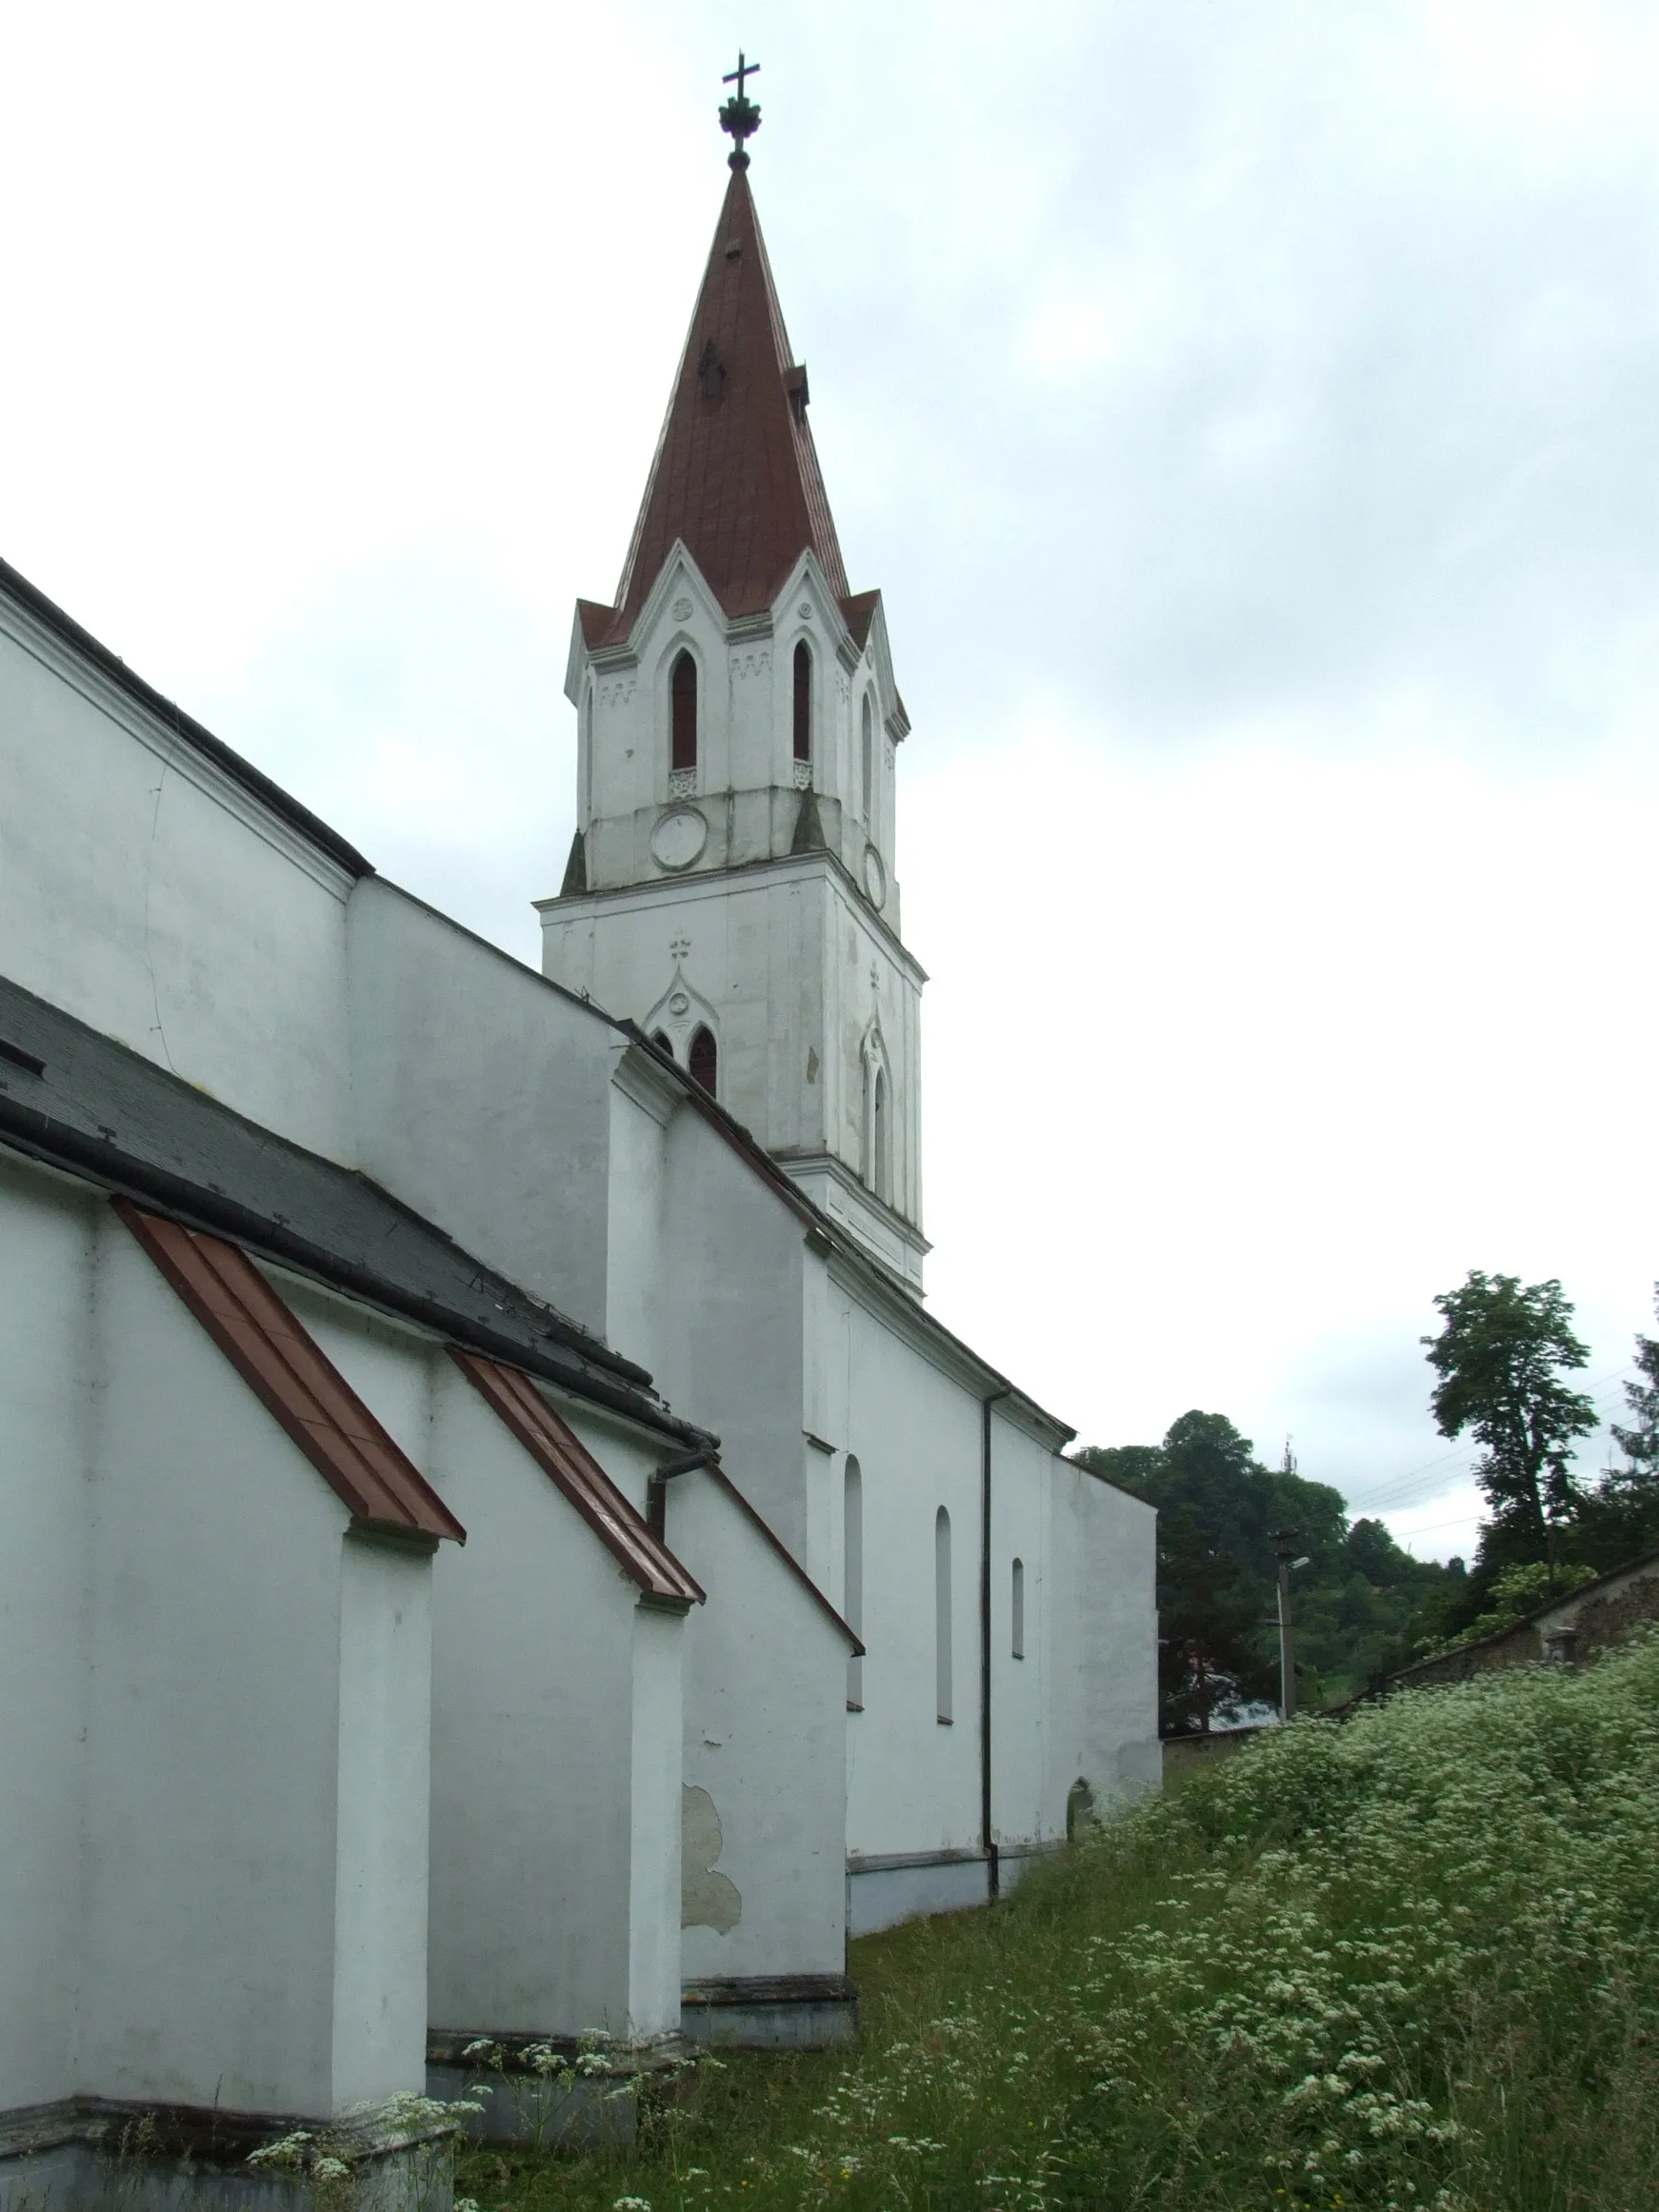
(731, 883)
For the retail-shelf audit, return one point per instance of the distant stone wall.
(1606, 1613)
(1183, 1753)
(1579, 1627)
(1517, 1646)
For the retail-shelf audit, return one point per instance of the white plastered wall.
(1110, 1647)
(46, 1287)
(1026, 1806)
(554, 1856)
(482, 1098)
(184, 917)
(730, 1355)
(765, 1739)
(913, 1784)
(254, 1927)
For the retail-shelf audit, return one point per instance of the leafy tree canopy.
(1502, 1349)
(1357, 1604)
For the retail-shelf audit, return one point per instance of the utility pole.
(1284, 1545)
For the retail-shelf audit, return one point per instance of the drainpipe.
(987, 1833)
(656, 1491)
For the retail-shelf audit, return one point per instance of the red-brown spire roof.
(736, 474)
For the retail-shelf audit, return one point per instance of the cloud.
(1250, 414)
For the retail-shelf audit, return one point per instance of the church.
(499, 1551)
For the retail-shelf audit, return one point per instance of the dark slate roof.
(79, 1101)
(184, 725)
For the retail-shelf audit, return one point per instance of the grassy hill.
(1410, 1961)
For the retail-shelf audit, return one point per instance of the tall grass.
(1411, 1961)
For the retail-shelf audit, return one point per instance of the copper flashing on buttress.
(290, 1374)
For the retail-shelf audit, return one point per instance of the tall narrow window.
(942, 1613)
(683, 692)
(702, 1060)
(866, 760)
(660, 1038)
(1018, 1608)
(881, 1178)
(852, 1576)
(802, 701)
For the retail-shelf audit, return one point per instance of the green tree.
(1502, 1350)
(1210, 1655)
(1619, 1516)
(1362, 1605)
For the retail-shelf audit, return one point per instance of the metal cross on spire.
(740, 116)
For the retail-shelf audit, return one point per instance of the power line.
(1400, 1490)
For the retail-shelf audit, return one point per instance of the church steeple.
(732, 884)
(735, 476)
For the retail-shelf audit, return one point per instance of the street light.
(1284, 1541)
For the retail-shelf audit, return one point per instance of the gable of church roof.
(735, 475)
(293, 1378)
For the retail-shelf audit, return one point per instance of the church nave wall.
(145, 891)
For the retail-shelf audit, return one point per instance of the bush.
(1407, 1960)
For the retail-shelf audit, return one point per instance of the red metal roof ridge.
(561, 1454)
(292, 1377)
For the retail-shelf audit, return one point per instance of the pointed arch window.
(1017, 1594)
(878, 1133)
(683, 701)
(660, 1038)
(802, 701)
(853, 1575)
(867, 759)
(702, 1060)
(942, 1615)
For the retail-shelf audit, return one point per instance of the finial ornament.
(740, 116)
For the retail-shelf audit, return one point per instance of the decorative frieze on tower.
(731, 883)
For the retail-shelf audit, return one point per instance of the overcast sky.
(1249, 409)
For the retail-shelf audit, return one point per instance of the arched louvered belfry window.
(866, 760)
(802, 701)
(704, 1060)
(942, 1612)
(853, 1575)
(682, 695)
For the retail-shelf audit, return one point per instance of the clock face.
(679, 837)
(874, 878)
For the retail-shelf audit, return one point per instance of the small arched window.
(867, 759)
(802, 701)
(704, 1060)
(682, 695)
(660, 1038)
(942, 1614)
(853, 1575)
(1018, 1595)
